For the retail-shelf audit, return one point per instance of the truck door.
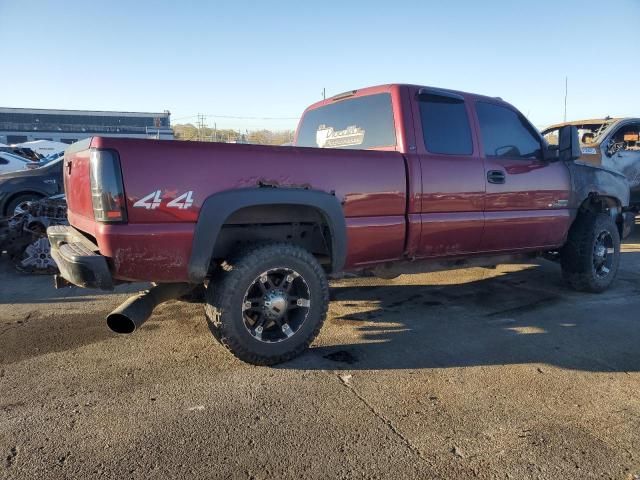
(453, 185)
(527, 197)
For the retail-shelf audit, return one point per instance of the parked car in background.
(23, 152)
(46, 160)
(608, 142)
(10, 162)
(43, 147)
(25, 185)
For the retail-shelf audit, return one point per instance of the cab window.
(445, 125)
(355, 123)
(506, 133)
(626, 138)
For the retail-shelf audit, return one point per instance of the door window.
(626, 138)
(506, 133)
(445, 125)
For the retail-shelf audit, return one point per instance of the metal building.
(19, 125)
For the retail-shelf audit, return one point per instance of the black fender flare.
(217, 208)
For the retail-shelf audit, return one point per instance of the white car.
(43, 147)
(10, 162)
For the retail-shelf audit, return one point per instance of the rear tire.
(591, 256)
(268, 304)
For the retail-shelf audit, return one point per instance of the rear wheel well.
(301, 225)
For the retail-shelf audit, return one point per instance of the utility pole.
(566, 91)
(199, 127)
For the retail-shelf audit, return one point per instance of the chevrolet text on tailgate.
(386, 180)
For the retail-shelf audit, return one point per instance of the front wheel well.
(595, 204)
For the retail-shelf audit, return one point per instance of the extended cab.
(390, 179)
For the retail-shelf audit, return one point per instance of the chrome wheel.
(275, 305)
(37, 257)
(603, 254)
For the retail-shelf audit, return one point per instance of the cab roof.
(391, 86)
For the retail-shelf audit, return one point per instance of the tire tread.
(228, 280)
(577, 254)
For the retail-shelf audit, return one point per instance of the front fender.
(589, 180)
(217, 208)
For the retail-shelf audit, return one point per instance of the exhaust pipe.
(137, 309)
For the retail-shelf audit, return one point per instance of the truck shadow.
(522, 317)
(36, 319)
(18, 288)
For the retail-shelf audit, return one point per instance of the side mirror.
(550, 153)
(569, 143)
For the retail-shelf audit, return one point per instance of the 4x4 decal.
(154, 200)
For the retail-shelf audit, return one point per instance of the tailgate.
(77, 181)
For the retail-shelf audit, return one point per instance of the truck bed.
(371, 186)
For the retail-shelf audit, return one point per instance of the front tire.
(268, 304)
(591, 256)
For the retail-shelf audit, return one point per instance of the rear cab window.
(359, 123)
(506, 133)
(445, 124)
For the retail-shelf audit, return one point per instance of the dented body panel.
(588, 180)
(156, 243)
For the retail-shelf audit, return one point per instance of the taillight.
(107, 191)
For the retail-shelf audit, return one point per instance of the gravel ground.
(483, 373)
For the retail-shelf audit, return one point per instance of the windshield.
(357, 123)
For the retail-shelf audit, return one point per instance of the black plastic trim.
(217, 208)
(439, 92)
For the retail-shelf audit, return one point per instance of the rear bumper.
(78, 259)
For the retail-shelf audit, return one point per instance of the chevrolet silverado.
(386, 180)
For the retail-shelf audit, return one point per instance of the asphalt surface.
(483, 373)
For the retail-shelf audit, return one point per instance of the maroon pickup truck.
(386, 180)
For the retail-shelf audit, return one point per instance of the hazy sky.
(272, 58)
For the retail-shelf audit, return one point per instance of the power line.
(235, 117)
